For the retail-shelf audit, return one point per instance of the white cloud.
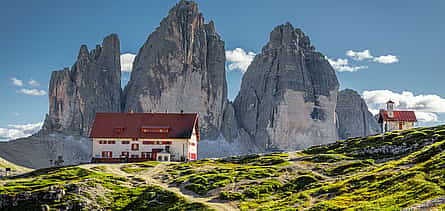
(239, 59)
(19, 131)
(388, 59)
(33, 92)
(366, 55)
(17, 82)
(127, 62)
(359, 55)
(342, 65)
(33, 82)
(426, 106)
(426, 116)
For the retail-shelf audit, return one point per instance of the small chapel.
(391, 119)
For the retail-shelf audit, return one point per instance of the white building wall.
(394, 125)
(178, 147)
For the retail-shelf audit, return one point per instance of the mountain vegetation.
(391, 171)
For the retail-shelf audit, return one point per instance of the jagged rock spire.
(181, 66)
(288, 94)
(92, 85)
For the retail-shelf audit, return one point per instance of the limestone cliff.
(353, 116)
(288, 94)
(181, 66)
(92, 85)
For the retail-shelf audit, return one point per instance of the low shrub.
(231, 196)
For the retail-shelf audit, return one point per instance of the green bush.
(299, 183)
(348, 167)
(231, 196)
(197, 188)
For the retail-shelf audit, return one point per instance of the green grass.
(119, 194)
(389, 171)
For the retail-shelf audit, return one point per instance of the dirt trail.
(149, 177)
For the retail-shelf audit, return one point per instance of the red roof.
(132, 125)
(406, 116)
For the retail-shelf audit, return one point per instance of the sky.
(381, 49)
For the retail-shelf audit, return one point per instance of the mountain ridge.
(287, 99)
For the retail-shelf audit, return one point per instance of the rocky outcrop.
(288, 94)
(181, 66)
(92, 85)
(353, 116)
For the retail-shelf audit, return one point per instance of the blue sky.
(38, 37)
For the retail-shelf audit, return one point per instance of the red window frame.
(192, 156)
(118, 130)
(111, 142)
(107, 154)
(155, 130)
(147, 142)
(134, 147)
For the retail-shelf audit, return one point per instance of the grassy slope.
(384, 172)
(17, 169)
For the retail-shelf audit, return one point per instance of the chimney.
(390, 108)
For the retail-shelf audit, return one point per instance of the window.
(125, 142)
(167, 148)
(101, 142)
(125, 154)
(146, 154)
(154, 129)
(192, 143)
(118, 130)
(134, 156)
(166, 158)
(111, 142)
(193, 156)
(107, 154)
(134, 147)
(148, 142)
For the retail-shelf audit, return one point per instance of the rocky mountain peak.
(288, 94)
(83, 52)
(184, 9)
(181, 66)
(92, 85)
(287, 36)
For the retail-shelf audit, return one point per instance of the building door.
(154, 153)
(134, 147)
(400, 125)
(125, 154)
